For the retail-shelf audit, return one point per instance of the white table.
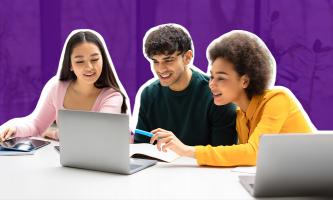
(41, 176)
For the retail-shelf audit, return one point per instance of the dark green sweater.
(190, 114)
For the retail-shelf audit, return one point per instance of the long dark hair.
(107, 77)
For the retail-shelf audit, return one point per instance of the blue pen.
(141, 132)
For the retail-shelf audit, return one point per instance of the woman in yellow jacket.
(242, 71)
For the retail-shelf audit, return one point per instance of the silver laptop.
(97, 141)
(293, 165)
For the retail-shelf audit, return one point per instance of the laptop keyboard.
(134, 166)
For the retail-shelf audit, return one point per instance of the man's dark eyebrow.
(168, 57)
(165, 58)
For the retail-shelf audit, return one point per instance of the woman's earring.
(71, 69)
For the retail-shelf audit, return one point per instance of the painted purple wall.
(32, 33)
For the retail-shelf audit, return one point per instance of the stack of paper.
(247, 170)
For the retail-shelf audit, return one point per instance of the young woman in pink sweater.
(85, 80)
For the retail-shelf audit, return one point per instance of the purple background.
(32, 33)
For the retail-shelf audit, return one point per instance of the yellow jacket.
(275, 111)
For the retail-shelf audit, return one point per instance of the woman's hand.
(171, 142)
(51, 133)
(6, 133)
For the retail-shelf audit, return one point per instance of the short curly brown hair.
(249, 55)
(167, 39)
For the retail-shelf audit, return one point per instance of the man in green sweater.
(179, 99)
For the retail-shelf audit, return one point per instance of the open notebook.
(149, 151)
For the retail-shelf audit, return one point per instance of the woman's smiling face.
(225, 83)
(86, 62)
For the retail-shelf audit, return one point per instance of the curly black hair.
(249, 55)
(167, 39)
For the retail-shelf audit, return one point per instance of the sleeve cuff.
(201, 154)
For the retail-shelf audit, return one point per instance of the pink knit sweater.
(51, 100)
